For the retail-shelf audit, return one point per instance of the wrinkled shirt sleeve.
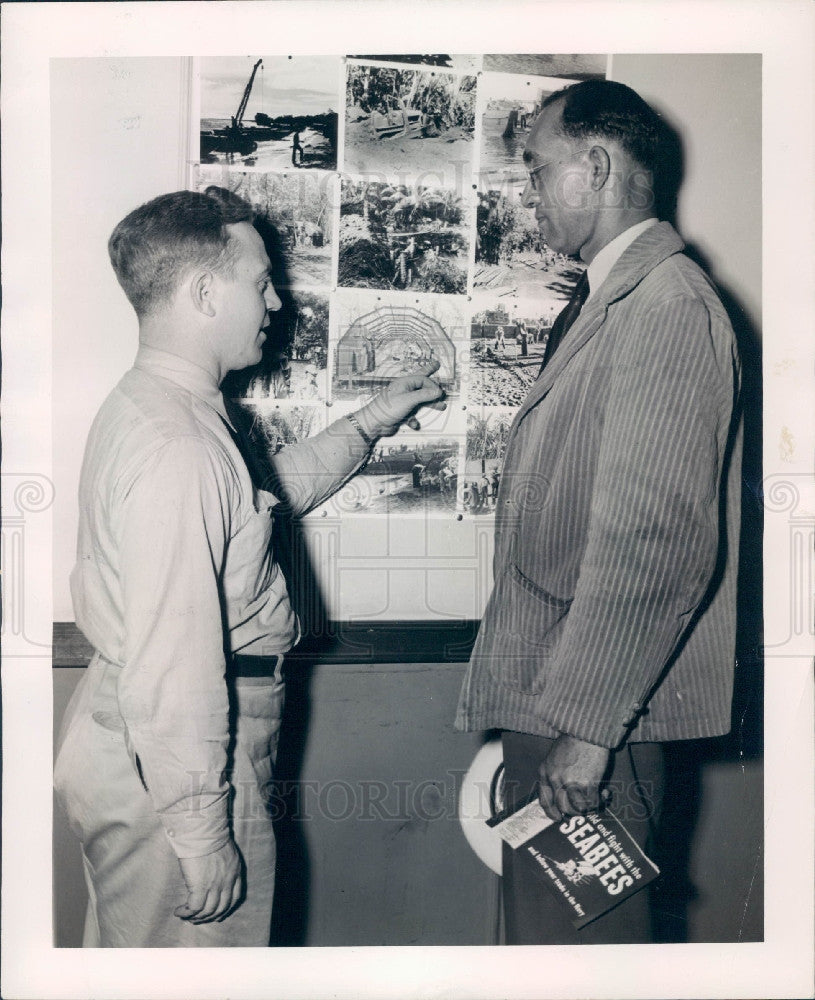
(173, 532)
(307, 473)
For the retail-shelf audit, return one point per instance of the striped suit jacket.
(613, 610)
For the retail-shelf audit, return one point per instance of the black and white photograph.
(324, 474)
(274, 426)
(512, 257)
(507, 347)
(572, 67)
(409, 475)
(295, 353)
(242, 334)
(487, 434)
(509, 106)
(407, 237)
(270, 112)
(402, 123)
(380, 338)
(294, 215)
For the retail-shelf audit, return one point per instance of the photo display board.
(389, 192)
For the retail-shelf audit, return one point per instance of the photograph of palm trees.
(397, 236)
(273, 427)
(295, 353)
(511, 256)
(406, 121)
(294, 217)
(487, 434)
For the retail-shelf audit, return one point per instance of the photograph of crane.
(272, 112)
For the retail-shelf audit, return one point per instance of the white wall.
(119, 137)
(715, 102)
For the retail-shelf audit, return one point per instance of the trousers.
(132, 874)
(533, 915)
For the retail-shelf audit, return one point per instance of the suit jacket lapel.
(580, 333)
(642, 256)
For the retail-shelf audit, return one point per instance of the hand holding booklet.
(591, 863)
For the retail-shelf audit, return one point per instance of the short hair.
(157, 244)
(605, 109)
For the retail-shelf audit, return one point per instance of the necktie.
(565, 318)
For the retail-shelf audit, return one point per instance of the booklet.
(591, 863)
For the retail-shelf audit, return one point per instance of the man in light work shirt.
(168, 743)
(611, 626)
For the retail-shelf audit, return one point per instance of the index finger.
(429, 367)
(422, 388)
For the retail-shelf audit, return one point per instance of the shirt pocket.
(251, 566)
(528, 622)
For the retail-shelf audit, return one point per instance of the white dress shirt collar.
(601, 266)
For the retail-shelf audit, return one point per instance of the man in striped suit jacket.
(611, 626)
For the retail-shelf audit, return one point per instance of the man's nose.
(272, 299)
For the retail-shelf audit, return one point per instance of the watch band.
(351, 418)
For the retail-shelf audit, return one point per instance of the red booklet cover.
(591, 863)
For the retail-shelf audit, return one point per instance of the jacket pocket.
(521, 628)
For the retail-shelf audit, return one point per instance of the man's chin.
(249, 361)
(545, 236)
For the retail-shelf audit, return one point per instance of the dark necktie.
(565, 318)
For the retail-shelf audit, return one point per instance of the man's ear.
(600, 166)
(202, 292)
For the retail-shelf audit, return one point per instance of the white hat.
(481, 796)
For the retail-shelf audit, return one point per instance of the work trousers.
(132, 873)
(533, 914)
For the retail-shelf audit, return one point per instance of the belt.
(255, 666)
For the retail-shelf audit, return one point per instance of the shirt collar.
(601, 266)
(183, 373)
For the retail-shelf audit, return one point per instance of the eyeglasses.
(533, 180)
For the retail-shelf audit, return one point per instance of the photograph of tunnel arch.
(387, 342)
